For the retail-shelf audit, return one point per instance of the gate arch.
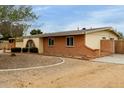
(30, 44)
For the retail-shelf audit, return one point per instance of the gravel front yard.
(26, 60)
(72, 73)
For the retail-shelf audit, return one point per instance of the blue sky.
(54, 18)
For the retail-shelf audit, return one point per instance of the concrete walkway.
(115, 58)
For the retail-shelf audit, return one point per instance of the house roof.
(74, 32)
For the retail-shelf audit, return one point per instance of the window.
(70, 41)
(50, 41)
(104, 38)
(111, 38)
(11, 40)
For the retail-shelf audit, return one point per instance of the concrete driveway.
(115, 58)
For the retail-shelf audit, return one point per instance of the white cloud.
(112, 16)
(40, 8)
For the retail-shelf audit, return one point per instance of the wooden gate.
(119, 46)
(107, 47)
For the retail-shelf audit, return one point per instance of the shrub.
(24, 50)
(16, 50)
(13, 54)
(33, 50)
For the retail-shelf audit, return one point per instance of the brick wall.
(61, 49)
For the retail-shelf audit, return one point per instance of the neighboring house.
(76, 43)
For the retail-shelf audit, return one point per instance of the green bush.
(24, 50)
(34, 50)
(16, 50)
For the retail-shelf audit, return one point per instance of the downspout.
(85, 38)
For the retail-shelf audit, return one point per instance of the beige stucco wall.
(92, 40)
(19, 44)
(38, 43)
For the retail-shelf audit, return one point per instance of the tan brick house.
(77, 43)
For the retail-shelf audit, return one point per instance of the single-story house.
(75, 43)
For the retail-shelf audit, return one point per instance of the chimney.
(83, 28)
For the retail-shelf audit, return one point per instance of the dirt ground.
(26, 60)
(72, 73)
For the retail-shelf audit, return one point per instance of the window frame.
(53, 39)
(104, 38)
(70, 41)
(112, 39)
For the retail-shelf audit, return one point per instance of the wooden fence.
(106, 47)
(119, 46)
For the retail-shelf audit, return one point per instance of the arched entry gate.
(30, 44)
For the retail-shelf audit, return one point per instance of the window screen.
(50, 41)
(70, 41)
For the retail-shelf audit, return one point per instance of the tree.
(121, 35)
(16, 30)
(4, 30)
(13, 20)
(34, 32)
